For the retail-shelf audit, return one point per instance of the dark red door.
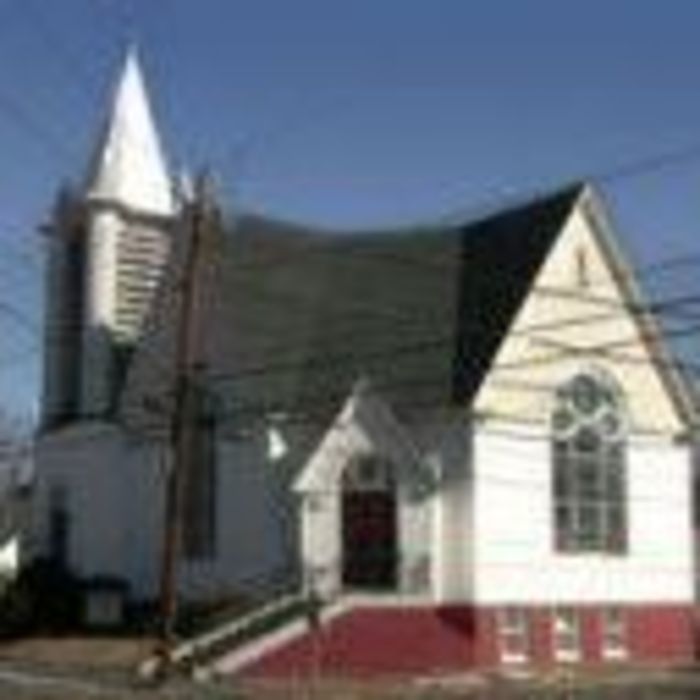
(369, 539)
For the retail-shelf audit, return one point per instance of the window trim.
(606, 463)
(521, 629)
(566, 655)
(613, 652)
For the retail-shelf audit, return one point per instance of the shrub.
(45, 597)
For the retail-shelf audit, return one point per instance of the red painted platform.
(409, 641)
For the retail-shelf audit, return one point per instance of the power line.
(659, 161)
(393, 353)
(674, 306)
(496, 426)
(61, 52)
(34, 128)
(262, 288)
(319, 408)
(335, 246)
(436, 341)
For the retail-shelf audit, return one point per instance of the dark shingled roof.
(501, 256)
(298, 315)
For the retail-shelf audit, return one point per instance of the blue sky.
(354, 114)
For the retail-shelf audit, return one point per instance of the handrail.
(193, 648)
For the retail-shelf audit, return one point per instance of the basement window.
(566, 635)
(614, 633)
(513, 635)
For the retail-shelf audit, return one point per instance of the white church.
(470, 437)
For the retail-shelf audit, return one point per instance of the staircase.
(270, 618)
(273, 628)
(354, 636)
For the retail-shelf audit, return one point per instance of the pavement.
(94, 668)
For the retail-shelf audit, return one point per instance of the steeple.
(107, 253)
(128, 168)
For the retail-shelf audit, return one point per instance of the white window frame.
(513, 622)
(610, 629)
(605, 527)
(573, 628)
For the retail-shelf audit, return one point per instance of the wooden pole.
(178, 449)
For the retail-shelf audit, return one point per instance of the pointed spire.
(128, 167)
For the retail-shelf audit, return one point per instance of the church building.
(468, 438)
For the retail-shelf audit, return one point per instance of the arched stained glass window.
(588, 454)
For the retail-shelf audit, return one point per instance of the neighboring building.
(480, 446)
(16, 474)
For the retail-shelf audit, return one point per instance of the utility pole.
(198, 217)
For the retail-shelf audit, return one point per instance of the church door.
(369, 537)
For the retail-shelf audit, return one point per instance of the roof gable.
(501, 257)
(584, 312)
(365, 425)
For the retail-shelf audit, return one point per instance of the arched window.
(588, 454)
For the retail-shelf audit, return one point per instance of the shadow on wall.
(461, 620)
(67, 400)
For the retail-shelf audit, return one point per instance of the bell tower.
(108, 243)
